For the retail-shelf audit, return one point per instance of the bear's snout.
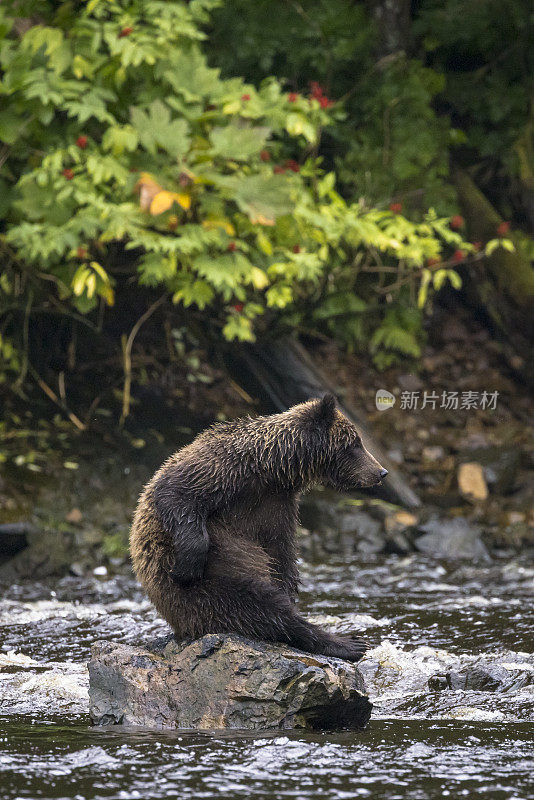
(371, 472)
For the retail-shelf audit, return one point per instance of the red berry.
(245, 97)
(81, 252)
(477, 246)
(292, 97)
(81, 141)
(431, 262)
(396, 208)
(457, 222)
(238, 307)
(265, 155)
(316, 89)
(503, 228)
(293, 165)
(324, 102)
(278, 169)
(68, 174)
(125, 32)
(231, 247)
(296, 248)
(458, 255)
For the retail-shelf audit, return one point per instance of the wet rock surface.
(485, 676)
(451, 539)
(370, 527)
(223, 681)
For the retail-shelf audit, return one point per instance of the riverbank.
(472, 467)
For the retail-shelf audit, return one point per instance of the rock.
(485, 677)
(224, 681)
(15, 536)
(410, 382)
(366, 531)
(47, 552)
(398, 543)
(75, 516)
(500, 465)
(398, 527)
(433, 453)
(514, 518)
(341, 523)
(451, 539)
(318, 513)
(471, 482)
(399, 521)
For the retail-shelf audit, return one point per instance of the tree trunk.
(504, 282)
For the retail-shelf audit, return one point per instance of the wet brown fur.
(213, 537)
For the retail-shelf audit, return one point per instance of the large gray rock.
(453, 539)
(224, 681)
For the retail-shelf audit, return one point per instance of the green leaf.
(237, 142)
(10, 126)
(155, 269)
(156, 129)
(297, 124)
(190, 77)
(279, 296)
(198, 292)
(238, 327)
(224, 272)
(263, 198)
(342, 304)
(119, 139)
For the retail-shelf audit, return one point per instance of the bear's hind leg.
(260, 611)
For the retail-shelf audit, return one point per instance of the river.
(423, 618)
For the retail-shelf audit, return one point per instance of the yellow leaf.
(161, 202)
(79, 280)
(183, 200)
(90, 285)
(107, 293)
(147, 188)
(219, 222)
(98, 268)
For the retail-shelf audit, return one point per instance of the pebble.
(471, 482)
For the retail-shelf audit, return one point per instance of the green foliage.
(388, 141)
(487, 63)
(120, 137)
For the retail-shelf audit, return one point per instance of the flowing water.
(423, 618)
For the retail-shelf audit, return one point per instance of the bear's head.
(341, 460)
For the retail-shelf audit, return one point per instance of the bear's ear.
(325, 410)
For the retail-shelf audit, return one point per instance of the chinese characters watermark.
(451, 401)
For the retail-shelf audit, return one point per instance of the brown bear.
(213, 537)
